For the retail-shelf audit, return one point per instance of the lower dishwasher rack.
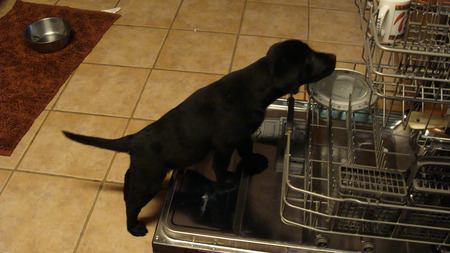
(353, 180)
(316, 218)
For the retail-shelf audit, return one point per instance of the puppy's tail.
(120, 145)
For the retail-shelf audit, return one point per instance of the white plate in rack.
(345, 88)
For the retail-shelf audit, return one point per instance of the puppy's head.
(293, 63)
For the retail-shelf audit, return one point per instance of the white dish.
(345, 88)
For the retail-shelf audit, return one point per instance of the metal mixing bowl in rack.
(344, 89)
(48, 35)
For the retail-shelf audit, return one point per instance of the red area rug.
(28, 79)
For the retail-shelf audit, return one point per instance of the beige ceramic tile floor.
(59, 196)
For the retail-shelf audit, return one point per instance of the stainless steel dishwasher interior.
(248, 219)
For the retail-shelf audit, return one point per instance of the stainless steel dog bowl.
(48, 35)
(344, 89)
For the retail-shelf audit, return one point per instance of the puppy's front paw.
(138, 230)
(253, 164)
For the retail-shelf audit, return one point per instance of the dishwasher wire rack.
(416, 67)
(358, 174)
(413, 73)
(354, 181)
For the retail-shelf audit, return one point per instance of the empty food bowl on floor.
(48, 35)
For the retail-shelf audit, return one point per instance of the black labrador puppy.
(220, 117)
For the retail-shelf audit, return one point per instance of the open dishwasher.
(343, 176)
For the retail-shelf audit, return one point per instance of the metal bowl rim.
(67, 25)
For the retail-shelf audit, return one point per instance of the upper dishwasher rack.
(417, 66)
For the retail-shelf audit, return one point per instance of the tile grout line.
(62, 176)
(338, 43)
(117, 3)
(233, 54)
(32, 140)
(92, 180)
(63, 88)
(333, 9)
(176, 29)
(143, 26)
(89, 114)
(154, 64)
(148, 78)
(309, 20)
(7, 181)
(115, 65)
(88, 217)
(188, 71)
(264, 36)
(280, 4)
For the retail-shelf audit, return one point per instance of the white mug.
(392, 18)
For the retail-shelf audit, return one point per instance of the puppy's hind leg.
(142, 182)
(221, 161)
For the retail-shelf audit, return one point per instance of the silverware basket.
(429, 183)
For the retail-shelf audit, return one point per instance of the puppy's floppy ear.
(283, 71)
(283, 67)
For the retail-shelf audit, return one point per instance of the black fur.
(219, 117)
